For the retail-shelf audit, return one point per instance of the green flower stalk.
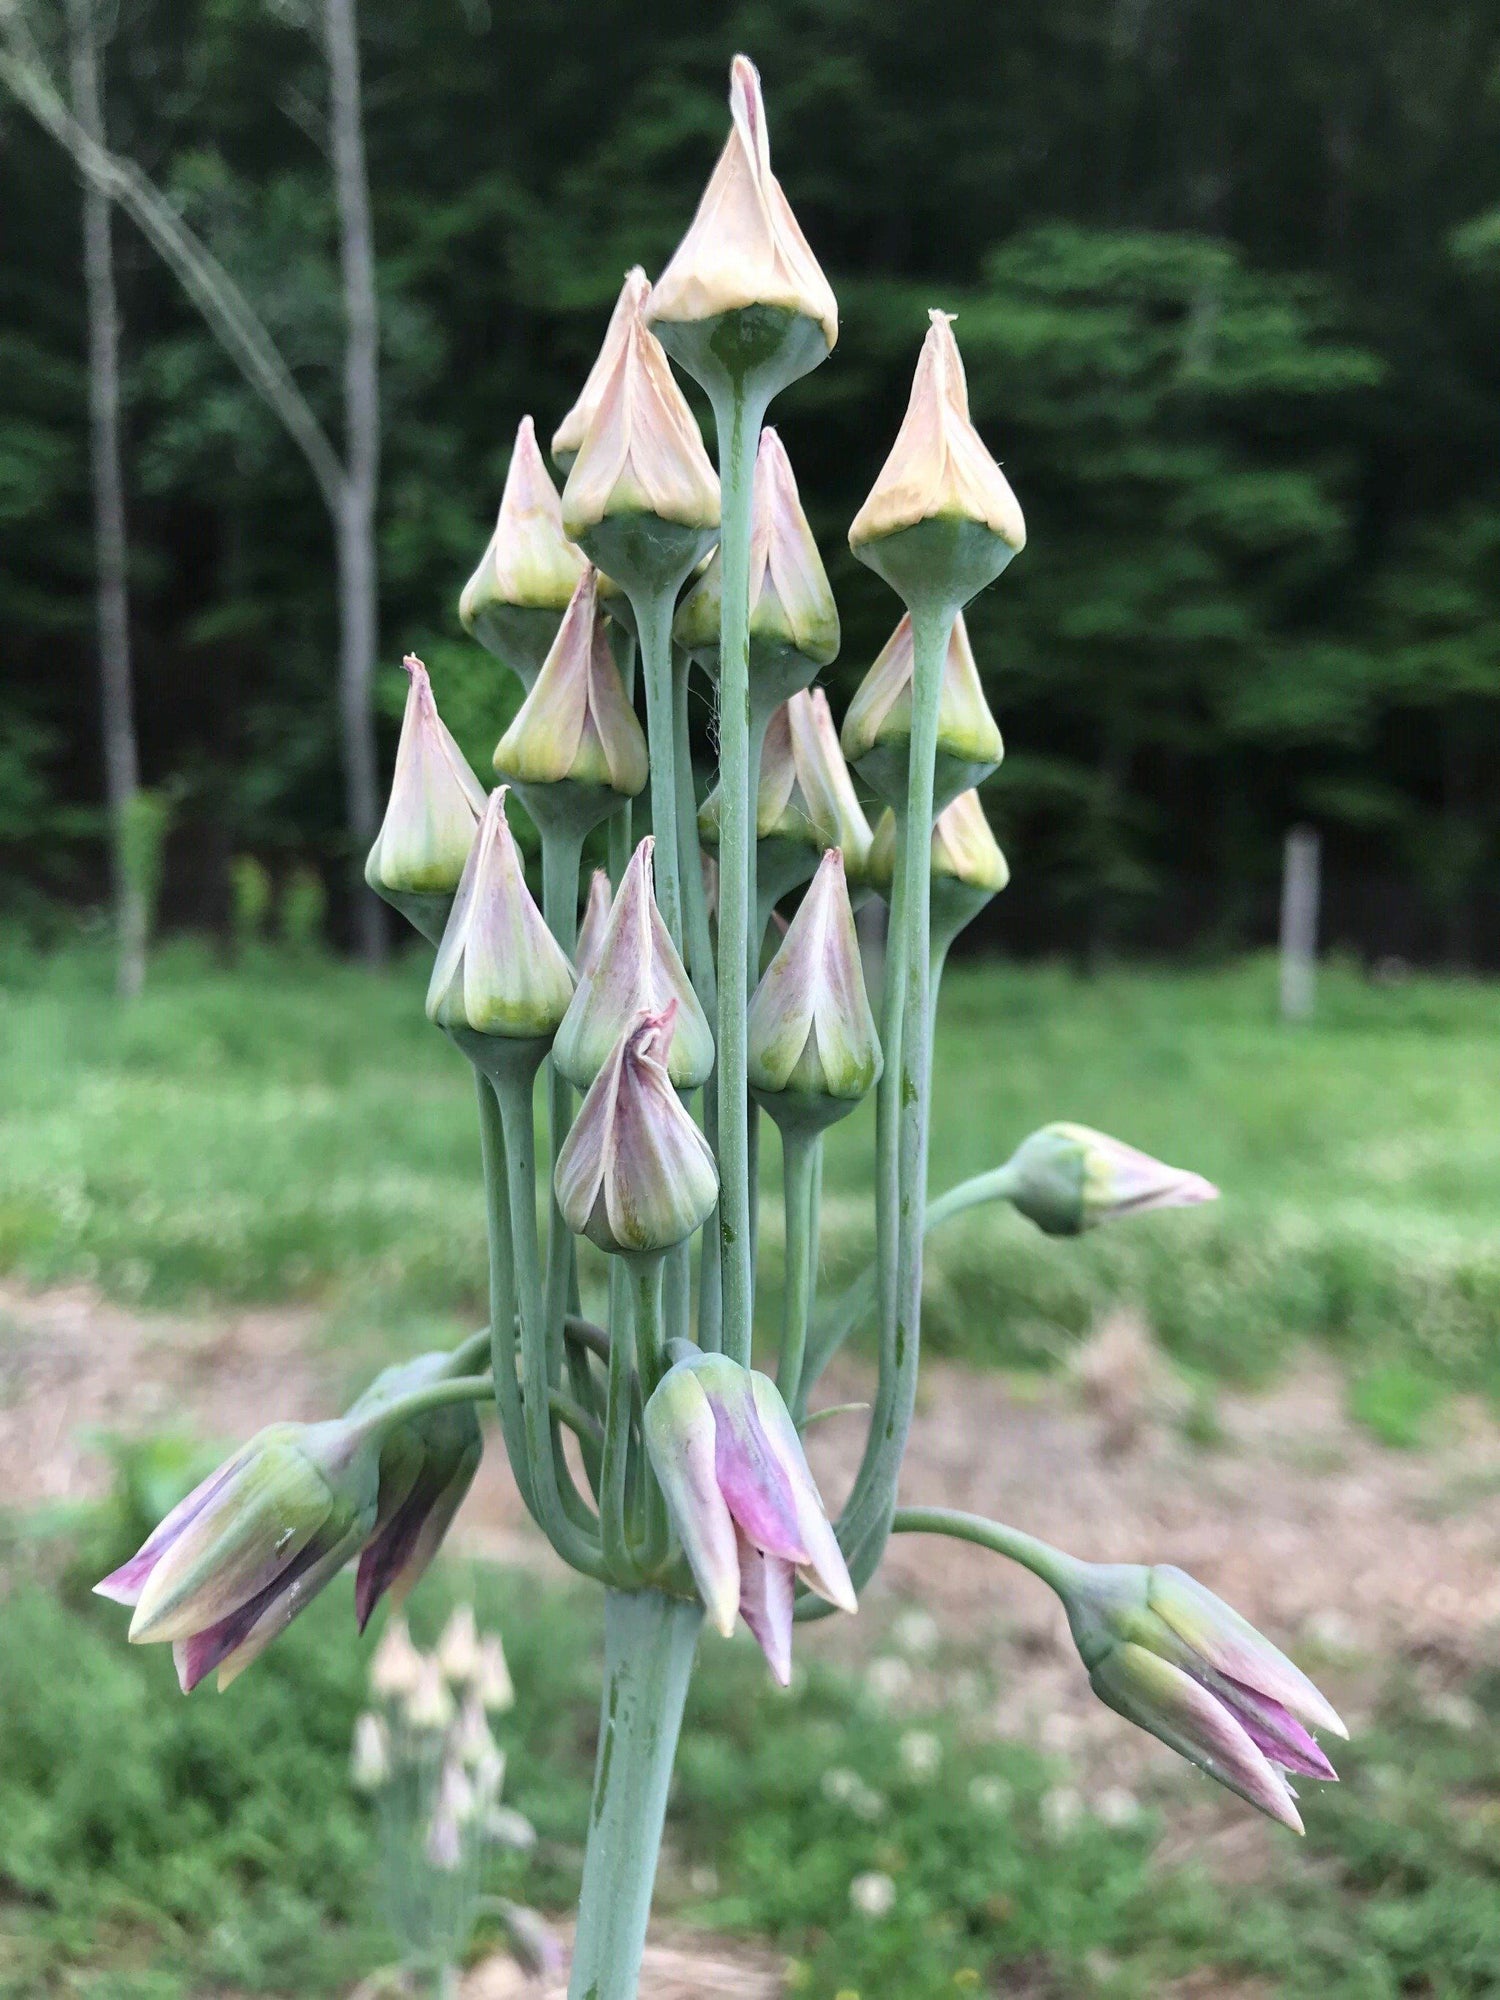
(430, 817)
(514, 601)
(968, 870)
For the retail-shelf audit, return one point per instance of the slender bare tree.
(112, 601)
(347, 481)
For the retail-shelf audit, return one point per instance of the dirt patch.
(689, 1970)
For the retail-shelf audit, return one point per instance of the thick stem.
(502, 1333)
(561, 851)
(614, 1486)
(653, 615)
(435, 1396)
(700, 961)
(739, 432)
(622, 644)
(801, 1153)
(649, 1642)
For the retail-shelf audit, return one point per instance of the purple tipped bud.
(806, 802)
(515, 598)
(876, 737)
(434, 807)
(595, 916)
(1068, 1178)
(577, 724)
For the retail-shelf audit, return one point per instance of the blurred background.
(1226, 279)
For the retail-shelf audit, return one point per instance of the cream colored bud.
(499, 971)
(530, 569)
(571, 432)
(458, 1646)
(968, 868)
(370, 1757)
(577, 724)
(429, 1706)
(876, 736)
(744, 247)
(396, 1666)
(939, 468)
(435, 803)
(495, 1688)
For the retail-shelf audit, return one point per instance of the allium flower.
(499, 971)
(637, 970)
(743, 1502)
(458, 1646)
(635, 1175)
(434, 807)
(876, 736)
(427, 1465)
(529, 570)
(813, 1052)
(794, 622)
(630, 305)
(596, 908)
(233, 1563)
(429, 1705)
(494, 1687)
(939, 467)
(744, 248)
(1176, 1660)
(370, 1756)
(577, 725)
(968, 869)
(397, 1665)
(1068, 1178)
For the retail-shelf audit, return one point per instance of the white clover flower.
(921, 1753)
(872, 1894)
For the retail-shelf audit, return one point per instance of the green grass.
(296, 1130)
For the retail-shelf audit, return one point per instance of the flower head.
(742, 1500)
(637, 969)
(806, 801)
(458, 1646)
(434, 807)
(370, 1753)
(499, 971)
(812, 1046)
(233, 1563)
(876, 736)
(744, 247)
(596, 908)
(570, 433)
(1176, 1660)
(529, 570)
(1068, 1178)
(427, 1465)
(396, 1665)
(794, 622)
(635, 1175)
(968, 868)
(577, 724)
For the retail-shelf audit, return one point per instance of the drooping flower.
(1068, 1178)
(876, 736)
(499, 971)
(571, 432)
(968, 868)
(427, 1465)
(233, 1563)
(1176, 1660)
(744, 270)
(637, 969)
(635, 1175)
(529, 570)
(596, 907)
(794, 622)
(576, 726)
(813, 1052)
(434, 807)
(744, 1504)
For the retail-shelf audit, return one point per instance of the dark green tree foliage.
(1227, 277)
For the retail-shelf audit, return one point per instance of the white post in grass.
(1299, 923)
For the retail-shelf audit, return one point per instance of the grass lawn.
(296, 1130)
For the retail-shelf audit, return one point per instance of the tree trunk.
(355, 522)
(117, 708)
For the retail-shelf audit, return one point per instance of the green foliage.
(249, 899)
(303, 912)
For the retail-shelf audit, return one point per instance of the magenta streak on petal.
(390, 1548)
(755, 1489)
(202, 1652)
(125, 1584)
(1276, 1732)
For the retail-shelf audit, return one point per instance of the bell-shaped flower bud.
(573, 429)
(396, 1665)
(642, 497)
(494, 1687)
(813, 1052)
(741, 1497)
(941, 514)
(577, 727)
(233, 1563)
(457, 1649)
(743, 283)
(638, 970)
(635, 1175)
(514, 600)
(370, 1754)
(876, 736)
(429, 1706)
(427, 1465)
(794, 622)
(1176, 1660)
(968, 868)
(1068, 1178)
(429, 823)
(596, 908)
(499, 971)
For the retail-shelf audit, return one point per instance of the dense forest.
(1226, 275)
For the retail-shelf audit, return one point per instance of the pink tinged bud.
(767, 1598)
(968, 869)
(596, 908)
(1230, 1644)
(1068, 1178)
(794, 622)
(637, 970)
(499, 970)
(813, 1051)
(876, 737)
(529, 571)
(635, 1175)
(570, 433)
(744, 247)
(577, 725)
(435, 803)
